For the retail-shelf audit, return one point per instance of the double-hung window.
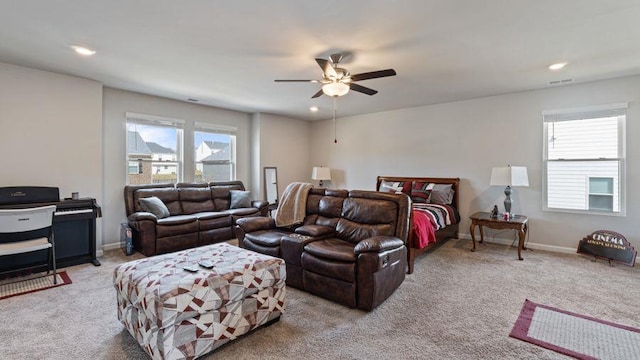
(215, 152)
(584, 159)
(154, 149)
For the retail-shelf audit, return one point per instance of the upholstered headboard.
(453, 181)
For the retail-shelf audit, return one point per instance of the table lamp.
(509, 176)
(321, 173)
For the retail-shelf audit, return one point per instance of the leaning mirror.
(271, 184)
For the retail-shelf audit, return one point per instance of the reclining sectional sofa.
(196, 214)
(349, 249)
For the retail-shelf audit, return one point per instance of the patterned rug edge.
(66, 280)
(521, 328)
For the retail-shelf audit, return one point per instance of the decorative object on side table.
(509, 176)
(494, 212)
(518, 223)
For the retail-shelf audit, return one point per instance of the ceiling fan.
(338, 81)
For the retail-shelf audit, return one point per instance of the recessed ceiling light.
(557, 66)
(83, 50)
(313, 108)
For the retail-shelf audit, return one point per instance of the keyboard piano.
(74, 224)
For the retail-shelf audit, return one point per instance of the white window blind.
(581, 145)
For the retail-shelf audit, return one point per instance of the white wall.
(117, 103)
(466, 139)
(283, 143)
(51, 132)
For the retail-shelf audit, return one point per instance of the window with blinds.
(584, 159)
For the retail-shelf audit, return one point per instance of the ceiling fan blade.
(327, 69)
(313, 81)
(373, 75)
(318, 94)
(362, 89)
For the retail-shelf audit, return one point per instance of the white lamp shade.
(321, 173)
(335, 89)
(510, 176)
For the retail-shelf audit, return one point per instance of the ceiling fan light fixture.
(335, 89)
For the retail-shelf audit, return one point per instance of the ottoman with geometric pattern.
(176, 314)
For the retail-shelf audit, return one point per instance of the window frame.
(158, 121)
(230, 131)
(586, 113)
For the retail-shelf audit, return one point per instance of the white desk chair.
(27, 230)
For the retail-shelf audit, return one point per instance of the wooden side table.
(519, 223)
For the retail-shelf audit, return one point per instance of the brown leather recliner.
(350, 248)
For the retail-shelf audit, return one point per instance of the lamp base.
(507, 200)
(321, 183)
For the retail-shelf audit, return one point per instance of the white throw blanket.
(293, 204)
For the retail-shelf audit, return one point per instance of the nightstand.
(519, 223)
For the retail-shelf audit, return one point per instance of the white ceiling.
(227, 53)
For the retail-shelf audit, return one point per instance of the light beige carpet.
(456, 305)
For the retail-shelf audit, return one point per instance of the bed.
(434, 217)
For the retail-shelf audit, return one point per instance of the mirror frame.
(275, 169)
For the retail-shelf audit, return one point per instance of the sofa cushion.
(177, 225)
(240, 199)
(177, 220)
(195, 199)
(314, 230)
(242, 212)
(155, 206)
(266, 237)
(334, 249)
(213, 220)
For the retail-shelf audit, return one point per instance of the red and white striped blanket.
(429, 218)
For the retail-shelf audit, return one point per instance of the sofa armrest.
(261, 205)
(144, 232)
(139, 216)
(378, 243)
(255, 223)
(315, 230)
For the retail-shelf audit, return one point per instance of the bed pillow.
(240, 199)
(420, 191)
(155, 206)
(396, 187)
(441, 194)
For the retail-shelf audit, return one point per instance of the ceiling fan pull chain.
(335, 132)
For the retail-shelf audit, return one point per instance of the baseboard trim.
(532, 245)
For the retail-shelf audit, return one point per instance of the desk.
(519, 223)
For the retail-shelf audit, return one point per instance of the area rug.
(579, 336)
(33, 284)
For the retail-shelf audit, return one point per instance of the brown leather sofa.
(199, 215)
(349, 249)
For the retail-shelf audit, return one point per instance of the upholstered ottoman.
(177, 314)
